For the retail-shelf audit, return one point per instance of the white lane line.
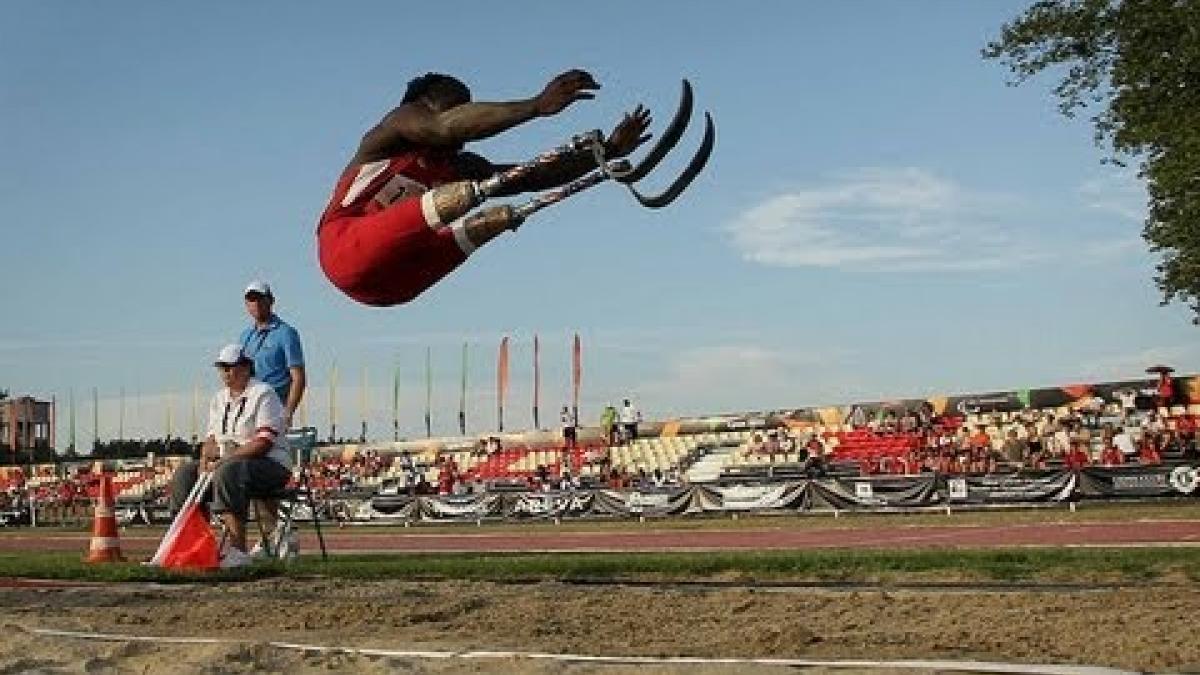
(971, 666)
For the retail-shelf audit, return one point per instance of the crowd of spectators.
(1088, 435)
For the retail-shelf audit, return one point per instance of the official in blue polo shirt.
(274, 346)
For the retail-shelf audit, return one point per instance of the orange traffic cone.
(106, 545)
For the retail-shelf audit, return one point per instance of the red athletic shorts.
(391, 256)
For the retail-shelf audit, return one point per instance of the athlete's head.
(441, 92)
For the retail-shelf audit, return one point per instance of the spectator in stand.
(1128, 401)
(1077, 457)
(274, 346)
(1153, 423)
(755, 445)
(890, 423)
(1123, 441)
(495, 447)
(857, 418)
(1147, 451)
(1015, 449)
(1165, 390)
(1091, 408)
(926, 416)
(787, 444)
(447, 474)
(608, 424)
(1169, 444)
(630, 417)
(770, 446)
(568, 428)
(1111, 455)
(1058, 444)
(1185, 426)
(979, 448)
(814, 453)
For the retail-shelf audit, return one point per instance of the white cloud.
(903, 219)
(737, 377)
(1122, 194)
(1133, 364)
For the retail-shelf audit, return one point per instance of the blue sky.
(882, 217)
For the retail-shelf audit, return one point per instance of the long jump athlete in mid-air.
(400, 216)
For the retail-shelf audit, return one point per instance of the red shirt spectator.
(1112, 456)
(1166, 389)
(1077, 457)
(1148, 452)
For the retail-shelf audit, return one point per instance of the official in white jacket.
(244, 447)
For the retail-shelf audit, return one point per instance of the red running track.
(1144, 533)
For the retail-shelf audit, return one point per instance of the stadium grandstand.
(1103, 425)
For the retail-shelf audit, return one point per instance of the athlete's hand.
(571, 86)
(629, 133)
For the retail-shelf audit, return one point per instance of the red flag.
(501, 381)
(576, 376)
(194, 545)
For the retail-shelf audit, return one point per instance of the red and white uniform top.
(372, 187)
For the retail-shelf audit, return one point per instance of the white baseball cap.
(231, 355)
(259, 286)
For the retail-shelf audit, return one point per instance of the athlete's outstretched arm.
(625, 138)
(418, 124)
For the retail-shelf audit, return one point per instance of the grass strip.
(1100, 565)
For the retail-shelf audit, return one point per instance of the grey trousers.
(232, 481)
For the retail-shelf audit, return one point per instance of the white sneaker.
(235, 558)
(258, 552)
(289, 548)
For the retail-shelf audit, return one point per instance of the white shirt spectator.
(1124, 443)
(1128, 399)
(630, 414)
(256, 413)
(1154, 424)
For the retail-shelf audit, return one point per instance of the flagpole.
(395, 401)
(333, 402)
(169, 415)
(71, 395)
(95, 417)
(120, 419)
(195, 431)
(428, 392)
(537, 383)
(462, 395)
(362, 404)
(501, 382)
(576, 377)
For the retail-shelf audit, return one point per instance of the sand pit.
(1143, 628)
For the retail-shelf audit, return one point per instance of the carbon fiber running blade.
(683, 114)
(685, 179)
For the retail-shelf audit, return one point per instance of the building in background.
(25, 424)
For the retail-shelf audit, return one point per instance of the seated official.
(244, 448)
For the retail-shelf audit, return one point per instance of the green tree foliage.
(1136, 65)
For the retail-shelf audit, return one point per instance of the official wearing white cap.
(244, 446)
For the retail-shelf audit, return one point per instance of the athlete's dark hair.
(438, 87)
